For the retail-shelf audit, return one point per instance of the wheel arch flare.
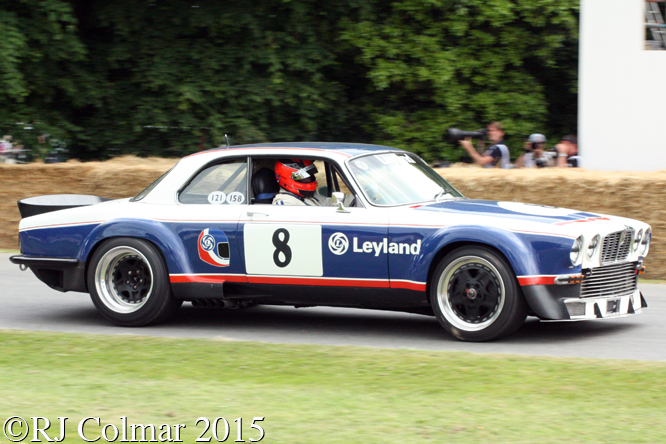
(167, 241)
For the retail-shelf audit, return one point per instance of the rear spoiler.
(33, 206)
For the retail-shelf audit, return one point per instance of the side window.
(342, 185)
(327, 176)
(330, 180)
(221, 184)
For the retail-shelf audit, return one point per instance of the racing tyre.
(129, 283)
(475, 295)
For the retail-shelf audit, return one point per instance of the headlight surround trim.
(638, 240)
(576, 254)
(645, 243)
(593, 246)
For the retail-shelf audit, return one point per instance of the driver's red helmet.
(297, 176)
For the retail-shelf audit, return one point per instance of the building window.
(655, 28)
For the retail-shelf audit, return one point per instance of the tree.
(176, 77)
(433, 64)
(168, 77)
(39, 51)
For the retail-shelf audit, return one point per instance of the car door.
(321, 246)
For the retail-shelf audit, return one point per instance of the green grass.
(9, 251)
(323, 394)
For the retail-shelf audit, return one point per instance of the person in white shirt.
(534, 148)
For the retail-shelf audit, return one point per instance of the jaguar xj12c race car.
(388, 233)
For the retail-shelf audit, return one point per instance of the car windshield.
(399, 178)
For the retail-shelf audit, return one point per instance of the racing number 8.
(281, 247)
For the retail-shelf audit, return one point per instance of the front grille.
(616, 246)
(610, 280)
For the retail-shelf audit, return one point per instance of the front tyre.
(475, 296)
(129, 283)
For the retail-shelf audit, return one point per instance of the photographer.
(567, 152)
(534, 152)
(497, 153)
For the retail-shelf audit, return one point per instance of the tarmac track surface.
(28, 304)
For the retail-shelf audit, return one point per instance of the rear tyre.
(475, 295)
(129, 283)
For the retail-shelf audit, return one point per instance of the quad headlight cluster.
(641, 245)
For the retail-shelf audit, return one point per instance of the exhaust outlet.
(208, 303)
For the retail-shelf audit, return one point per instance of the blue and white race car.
(385, 232)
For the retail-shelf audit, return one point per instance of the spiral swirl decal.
(338, 243)
(208, 242)
(213, 246)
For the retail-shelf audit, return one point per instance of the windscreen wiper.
(444, 192)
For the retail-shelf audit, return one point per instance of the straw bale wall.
(636, 195)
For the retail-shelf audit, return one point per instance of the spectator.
(496, 154)
(6, 148)
(567, 152)
(533, 152)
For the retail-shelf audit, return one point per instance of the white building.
(622, 89)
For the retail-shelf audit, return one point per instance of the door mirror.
(338, 198)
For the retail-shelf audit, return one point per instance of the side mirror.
(338, 198)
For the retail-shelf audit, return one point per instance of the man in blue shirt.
(496, 154)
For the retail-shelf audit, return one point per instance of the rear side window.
(220, 184)
(150, 187)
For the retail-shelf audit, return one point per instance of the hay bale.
(114, 179)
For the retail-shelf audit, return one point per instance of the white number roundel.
(217, 198)
(338, 243)
(235, 198)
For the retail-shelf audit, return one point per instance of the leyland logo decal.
(213, 247)
(338, 243)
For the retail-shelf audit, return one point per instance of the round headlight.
(638, 240)
(592, 246)
(577, 251)
(645, 243)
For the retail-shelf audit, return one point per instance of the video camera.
(456, 134)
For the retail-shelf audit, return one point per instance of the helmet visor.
(307, 172)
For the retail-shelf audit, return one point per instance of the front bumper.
(606, 292)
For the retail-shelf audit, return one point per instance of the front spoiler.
(563, 303)
(581, 309)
